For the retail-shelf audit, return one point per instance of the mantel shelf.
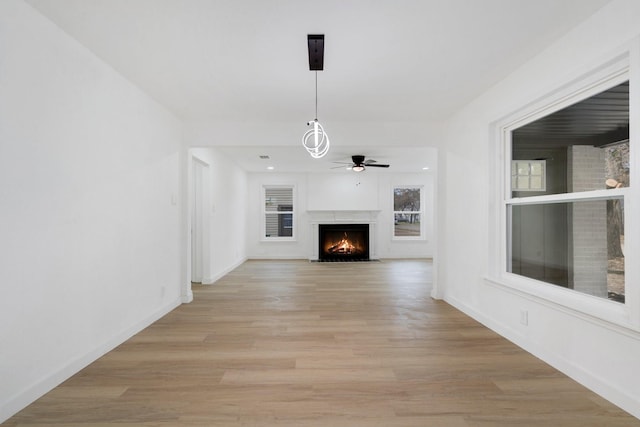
(343, 216)
(343, 210)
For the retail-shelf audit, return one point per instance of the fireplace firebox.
(343, 242)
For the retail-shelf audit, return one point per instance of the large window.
(279, 209)
(563, 220)
(407, 212)
(570, 231)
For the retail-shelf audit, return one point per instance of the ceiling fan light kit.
(315, 140)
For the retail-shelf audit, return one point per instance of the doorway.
(199, 227)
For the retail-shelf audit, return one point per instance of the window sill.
(278, 239)
(599, 311)
(409, 239)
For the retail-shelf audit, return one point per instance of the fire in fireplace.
(344, 242)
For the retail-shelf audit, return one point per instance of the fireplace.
(343, 242)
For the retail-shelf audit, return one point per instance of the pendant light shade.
(315, 140)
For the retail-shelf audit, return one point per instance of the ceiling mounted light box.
(315, 43)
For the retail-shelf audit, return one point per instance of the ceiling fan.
(359, 163)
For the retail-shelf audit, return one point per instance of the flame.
(343, 246)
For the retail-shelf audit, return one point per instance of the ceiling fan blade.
(376, 166)
(345, 166)
(369, 161)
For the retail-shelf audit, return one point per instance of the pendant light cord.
(316, 96)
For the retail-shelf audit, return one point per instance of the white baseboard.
(598, 385)
(32, 393)
(187, 297)
(211, 280)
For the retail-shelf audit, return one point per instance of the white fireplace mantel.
(343, 217)
(317, 217)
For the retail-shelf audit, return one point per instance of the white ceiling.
(237, 61)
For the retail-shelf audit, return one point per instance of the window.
(566, 241)
(279, 211)
(407, 212)
(570, 232)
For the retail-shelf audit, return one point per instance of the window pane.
(576, 245)
(584, 147)
(406, 224)
(278, 225)
(406, 199)
(279, 209)
(278, 199)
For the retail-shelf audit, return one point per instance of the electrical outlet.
(524, 317)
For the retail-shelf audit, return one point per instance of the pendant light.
(315, 140)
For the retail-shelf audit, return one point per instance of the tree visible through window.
(617, 176)
(407, 212)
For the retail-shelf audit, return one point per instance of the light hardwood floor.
(293, 343)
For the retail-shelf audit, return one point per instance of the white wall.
(350, 191)
(89, 219)
(603, 358)
(343, 191)
(226, 213)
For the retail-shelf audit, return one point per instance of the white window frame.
(619, 67)
(420, 212)
(264, 214)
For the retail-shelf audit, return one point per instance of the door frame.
(199, 172)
